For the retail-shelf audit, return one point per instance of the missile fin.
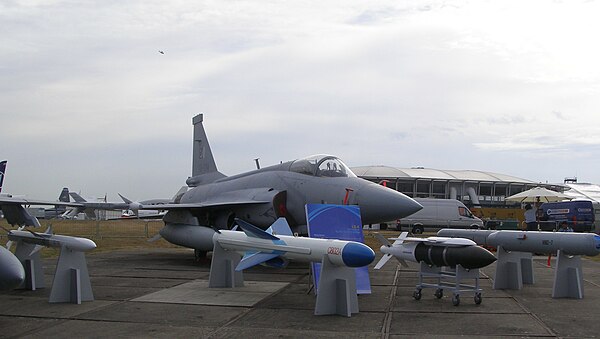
(36, 249)
(127, 201)
(383, 261)
(401, 238)
(397, 242)
(253, 231)
(254, 258)
(280, 227)
(39, 235)
(382, 240)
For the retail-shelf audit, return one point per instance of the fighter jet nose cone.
(381, 204)
(357, 255)
(412, 206)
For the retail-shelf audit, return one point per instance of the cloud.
(443, 84)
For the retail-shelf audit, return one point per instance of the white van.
(439, 213)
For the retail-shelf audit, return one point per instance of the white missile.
(277, 244)
(436, 251)
(532, 241)
(12, 273)
(50, 240)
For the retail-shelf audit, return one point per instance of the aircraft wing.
(23, 201)
(108, 205)
(251, 196)
(207, 204)
(16, 214)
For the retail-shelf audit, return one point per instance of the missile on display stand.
(515, 262)
(277, 244)
(52, 240)
(435, 251)
(532, 241)
(71, 281)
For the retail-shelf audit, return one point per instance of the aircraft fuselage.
(288, 192)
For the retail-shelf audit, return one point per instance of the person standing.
(530, 218)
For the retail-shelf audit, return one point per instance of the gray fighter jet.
(262, 196)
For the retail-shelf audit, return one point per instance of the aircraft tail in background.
(2, 171)
(204, 168)
(64, 195)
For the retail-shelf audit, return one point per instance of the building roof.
(583, 191)
(386, 172)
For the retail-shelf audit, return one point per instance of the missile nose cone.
(597, 243)
(12, 273)
(357, 255)
(380, 204)
(476, 257)
(80, 244)
(88, 244)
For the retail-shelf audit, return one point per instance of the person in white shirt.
(530, 219)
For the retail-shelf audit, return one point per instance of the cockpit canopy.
(321, 165)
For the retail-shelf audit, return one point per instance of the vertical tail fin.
(2, 171)
(202, 161)
(77, 197)
(64, 195)
(204, 168)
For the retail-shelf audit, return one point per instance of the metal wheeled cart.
(448, 278)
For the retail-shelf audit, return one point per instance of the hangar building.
(473, 188)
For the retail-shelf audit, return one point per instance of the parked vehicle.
(439, 213)
(579, 215)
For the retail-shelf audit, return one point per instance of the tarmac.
(162, 293)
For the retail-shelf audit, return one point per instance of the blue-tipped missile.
(12, 273)
(277, 244)
(532, 241)
(434, 251)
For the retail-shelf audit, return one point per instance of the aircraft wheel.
(439, 293)
(199, 255)
(455, 300)
(417, 229)
(477, 298)
(417, 294)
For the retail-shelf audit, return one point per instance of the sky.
(88, 102)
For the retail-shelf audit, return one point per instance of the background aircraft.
(134, 212)
(2, 170)
(58, 210)
(48, 213)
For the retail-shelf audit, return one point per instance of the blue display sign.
(337, 222)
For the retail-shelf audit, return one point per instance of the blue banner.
(337, 222)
